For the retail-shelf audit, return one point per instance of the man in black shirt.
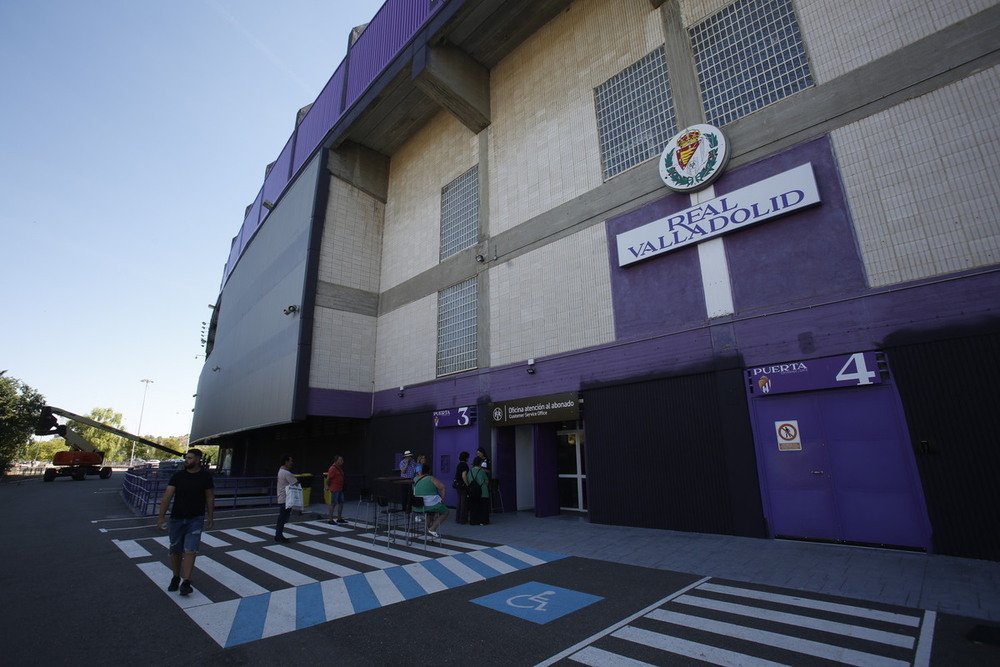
(193, 493)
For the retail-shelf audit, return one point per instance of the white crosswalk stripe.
(308, 559)
(247, 588)
(846, 629)
(209, 540)
(396, 553)
(241, 535)
(286, 574)
(493, 562)
(350, 555)
(235, 582)
(744, 626)
(131, 549)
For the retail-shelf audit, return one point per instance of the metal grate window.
(457, 330)
(460, 213)
(635, 114)
(749, 55)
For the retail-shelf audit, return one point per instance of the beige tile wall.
(922, 182)
(842, 36)
(343, 350)
(441, 152)
(406, 344)
(352, 238)
(543, 139)
(344, 343)
(553, 299)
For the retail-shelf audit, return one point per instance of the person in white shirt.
(285, 479)
(486, 461)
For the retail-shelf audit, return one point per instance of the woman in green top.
(479, 501)
(431, 490)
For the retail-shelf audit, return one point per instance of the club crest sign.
(695, 157)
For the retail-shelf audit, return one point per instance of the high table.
(397, 490)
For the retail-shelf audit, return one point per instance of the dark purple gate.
(836, 464)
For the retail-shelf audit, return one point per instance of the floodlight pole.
(138, 431)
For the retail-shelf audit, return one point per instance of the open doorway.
(572, 471)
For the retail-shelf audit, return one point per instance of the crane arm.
(49, 425)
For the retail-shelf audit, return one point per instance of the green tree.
(115, 447)
(20, 408)
(44, 450)
(178, 444)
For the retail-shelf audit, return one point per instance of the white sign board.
(789, 438)
(766, 199)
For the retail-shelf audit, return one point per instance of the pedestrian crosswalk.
(743, 625)
(248, 588)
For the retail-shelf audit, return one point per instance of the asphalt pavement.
(82, 581)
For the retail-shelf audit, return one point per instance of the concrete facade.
(899, 259)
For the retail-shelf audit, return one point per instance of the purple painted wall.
(337, 403)
(804, 256)
(546, 469)
(861, 322)
(798, 258)
(448, 444)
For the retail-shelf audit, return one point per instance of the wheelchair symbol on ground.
(536, 602)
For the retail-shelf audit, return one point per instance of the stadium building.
(700, 265)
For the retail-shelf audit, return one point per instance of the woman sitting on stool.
(431, 490)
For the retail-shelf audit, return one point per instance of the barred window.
(460, 213)
(457, 330)
(635, 114)
(749, 55)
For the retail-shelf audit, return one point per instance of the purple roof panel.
(393, 26)
(319, 119)
(280, 174)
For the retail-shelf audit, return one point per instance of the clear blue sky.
(133, 136)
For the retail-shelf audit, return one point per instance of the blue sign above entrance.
(536, 602)
(464, 416)
(849, 370)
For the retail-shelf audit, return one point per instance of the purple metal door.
(448, 444)
(854, 478)
(798, 484)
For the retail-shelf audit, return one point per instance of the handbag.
(458, 483)
(293, 496)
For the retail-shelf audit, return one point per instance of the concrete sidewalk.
(960, 586)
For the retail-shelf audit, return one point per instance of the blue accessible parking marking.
(537, 602)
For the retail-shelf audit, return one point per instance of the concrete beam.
(680, 66)
(456, 82)
(362, 167)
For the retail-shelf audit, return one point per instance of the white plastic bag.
(293, 496)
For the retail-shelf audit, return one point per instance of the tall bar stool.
(366, 496)
(496, 497)
(388, 520)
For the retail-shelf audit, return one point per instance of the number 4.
(861, 372)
